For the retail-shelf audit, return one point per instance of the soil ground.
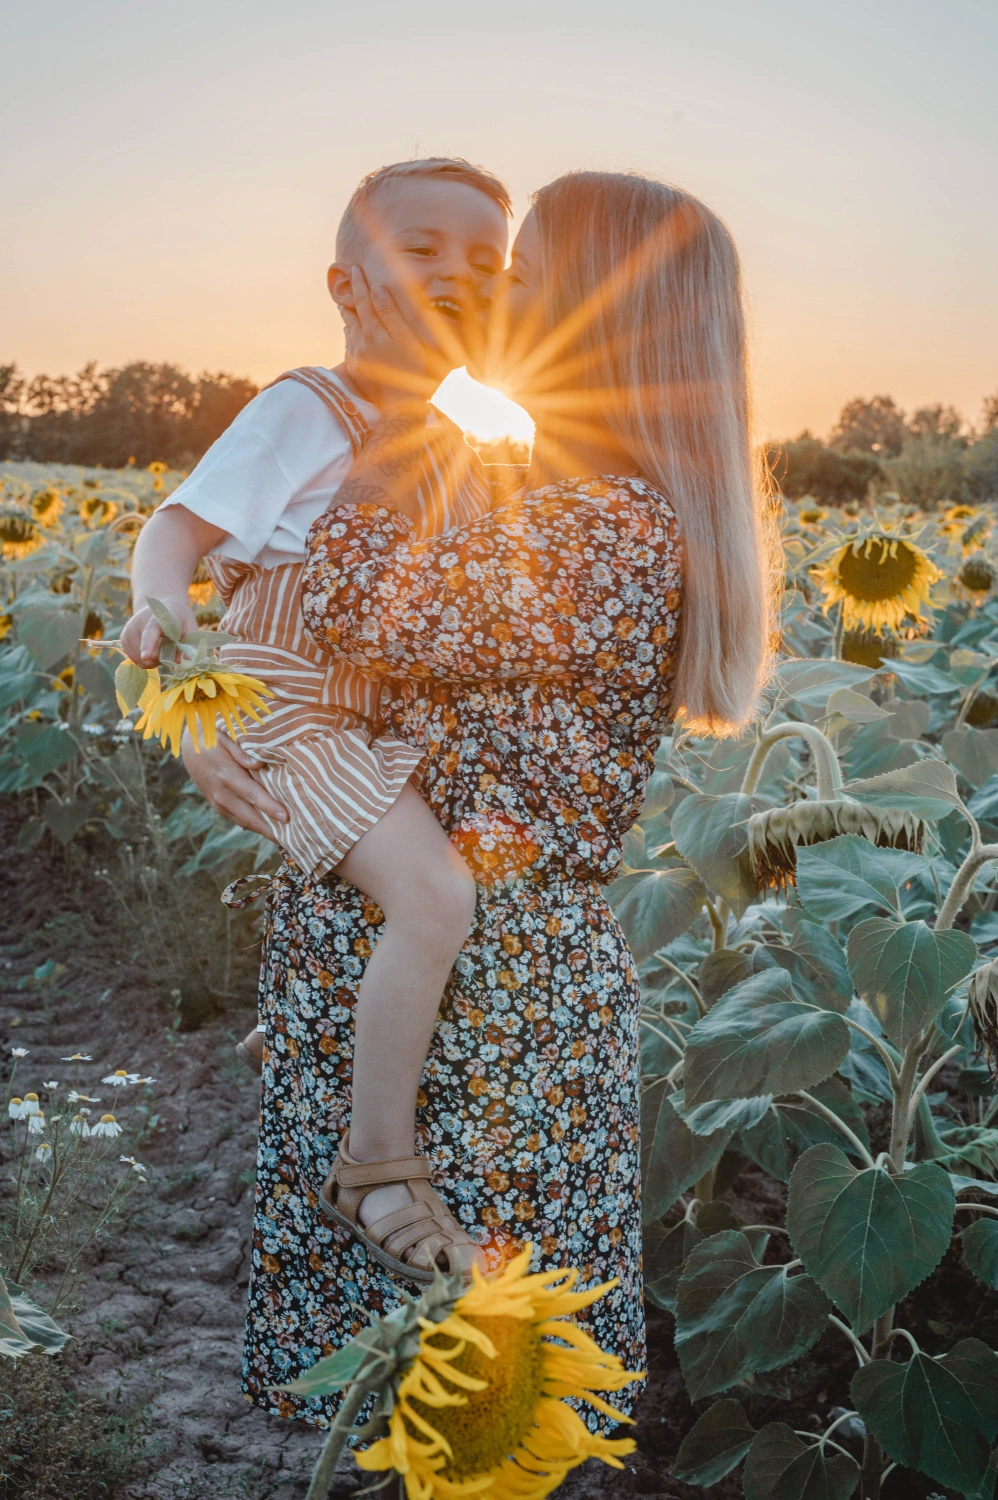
(160, 1312)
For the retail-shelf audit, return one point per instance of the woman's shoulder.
(626, 500)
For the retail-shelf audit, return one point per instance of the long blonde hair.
(645, 329)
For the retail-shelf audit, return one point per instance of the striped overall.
(319, 751)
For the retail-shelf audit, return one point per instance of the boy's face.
(437, 246)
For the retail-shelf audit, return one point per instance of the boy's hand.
(387, 359)
(142, 637)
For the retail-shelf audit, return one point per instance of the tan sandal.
(425, 1228)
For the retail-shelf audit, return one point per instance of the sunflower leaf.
(841, 877)
(130, 682)
(927, 789)
(904, 972)
(781, 1467)
(980, 1250)
(171, 626)
(710, 833)
(715, 1445)
(672, 1157)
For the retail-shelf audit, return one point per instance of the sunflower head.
(482, 1405)
(868, 648)
(878, 579)
(195, 698)
(812, 515)
(47, 505)
(983, 711)
(97, 510)
(6, 625)
(19, 534)
(201, 590)
(982, 994)
(775, 835)
(977, 577)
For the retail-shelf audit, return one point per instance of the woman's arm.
(579, 578)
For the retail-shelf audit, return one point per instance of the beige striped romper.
(319, 750)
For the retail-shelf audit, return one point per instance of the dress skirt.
(528, 1111)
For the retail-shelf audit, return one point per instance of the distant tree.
(929, 472)
(807, 467)
(143, 411)
(981, 465)
(936, 422)
(989, 414)
(874, 426)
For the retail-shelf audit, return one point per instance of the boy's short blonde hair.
(350, 234)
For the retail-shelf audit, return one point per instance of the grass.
(55, 1445)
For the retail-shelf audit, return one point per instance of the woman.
(537, 657)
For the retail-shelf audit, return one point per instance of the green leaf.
(974, 752)
(722, 1114)
(17, 687)
(924, 680)
(715, 1445)
(720, 972)
(95, 677)
(672, 1157)
(927, 789)
(65, 819)
(24, 1327)
(335, 1371)
(781, 1467)
(904, 972)
(843, 876)
(52, 748)
(867, 1237)
(939, 1416)
(710, 834)
(130, 683)
(909, 718)
(813, 680)
(760, 1039)
(49, 634)
(814, 961)
(658, 795)
(735, 1316)
(168, 621)
(980, 1250)
(665, 1253)
(855, 708)
(655, 906)
(790, 1127)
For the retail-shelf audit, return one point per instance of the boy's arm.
(170, 546)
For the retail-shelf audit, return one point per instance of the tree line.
(140, 411)
(930, 458)
(146, 412)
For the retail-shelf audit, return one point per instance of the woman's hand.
(222, 776)
(394, 364)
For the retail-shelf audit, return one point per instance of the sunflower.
(868, 648)
(775, 835)
(976, 578)
(982, 996)
(97, 511)
(482, 1406)
(47, 506)
(812, 515)
(954, 521)
(201, 589)
(18, 535)
(878, 579)
(197, 696)
(6, 625)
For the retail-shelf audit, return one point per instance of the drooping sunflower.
(471, 1385)
(195, 698)
(868, 648)
(19, 535)
(976, 578)
(482, 1408)
(878, 579)
(97, 510)
(47, 505)
(775, 834)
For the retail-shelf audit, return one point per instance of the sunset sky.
(173, 174)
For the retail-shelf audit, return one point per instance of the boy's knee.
(446, 898)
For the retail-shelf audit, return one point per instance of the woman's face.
(523, 294)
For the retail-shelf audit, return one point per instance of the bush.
(807, 467)
(929, 473)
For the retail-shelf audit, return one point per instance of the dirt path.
(162, 1310)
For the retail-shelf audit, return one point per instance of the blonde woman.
(537, 656)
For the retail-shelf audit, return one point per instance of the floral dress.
(530, 656)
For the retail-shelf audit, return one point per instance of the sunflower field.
(82, 777)
(814, 911)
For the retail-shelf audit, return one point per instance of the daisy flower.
(106, 1125)
(118, 1079)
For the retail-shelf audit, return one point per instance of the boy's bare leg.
(409, 866)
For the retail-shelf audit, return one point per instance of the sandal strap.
(381, 1173)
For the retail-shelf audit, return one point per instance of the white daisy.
(18, 1051)
(44, 1152)
(120, 1078)
(75, 1098)
(36, 1124)
(78, 1124)
(106, 1125)
(79, 1057)
(29, 1106)
(53, 1084)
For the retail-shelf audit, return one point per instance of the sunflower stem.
(336, 1440)
(826, 762)
(963, 884)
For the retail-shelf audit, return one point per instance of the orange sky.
(174, 174)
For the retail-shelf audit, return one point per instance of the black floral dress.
(531, 656)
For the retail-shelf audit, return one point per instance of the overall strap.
(335, 398)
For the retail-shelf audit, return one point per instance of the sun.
(481, 410)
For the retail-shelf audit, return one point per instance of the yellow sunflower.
(878, 579)
(18, 535)
(6, 625)
(954, 521)
(47, 506)
(97, 511)
(482, 1407)
(197, 699)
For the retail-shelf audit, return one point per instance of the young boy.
(434, 233)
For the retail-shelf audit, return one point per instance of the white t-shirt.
(272, 473)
